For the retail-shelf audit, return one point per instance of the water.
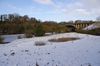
(10, 38)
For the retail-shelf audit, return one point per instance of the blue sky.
(54, 10)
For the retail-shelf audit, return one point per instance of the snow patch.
(22, 52)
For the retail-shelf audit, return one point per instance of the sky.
(53, 10)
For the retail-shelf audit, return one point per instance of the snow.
(23, 52)
(93, 26)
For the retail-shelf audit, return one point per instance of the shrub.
(19, 37)
(39, 30)
(92, 32)
(40, 43)
(63, 39)
(28, 34)
(1, 39)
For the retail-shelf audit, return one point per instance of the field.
(25, 52)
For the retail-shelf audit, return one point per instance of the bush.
(40, 43)
(92, 32)
(39, 30)
(63, 39)
(1, 39)
(28, 34)
(19, 37)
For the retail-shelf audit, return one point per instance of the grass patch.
(63, 39)
(40, 43)
(91, 32)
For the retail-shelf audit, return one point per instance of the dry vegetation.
(63, 39)
(1, 39)
(40, 43)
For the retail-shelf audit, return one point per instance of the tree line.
(17, 24)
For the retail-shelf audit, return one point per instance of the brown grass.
(40, 43)
(63, 39)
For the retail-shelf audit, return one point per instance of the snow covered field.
(23, 52)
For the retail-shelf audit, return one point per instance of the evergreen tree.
(39, 30)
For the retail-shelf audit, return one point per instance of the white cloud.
(81, 8)
(77, 9)
(43, 1)
(82, 11)
(91, 3)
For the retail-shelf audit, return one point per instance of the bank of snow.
(23, 52)
(93, 26)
